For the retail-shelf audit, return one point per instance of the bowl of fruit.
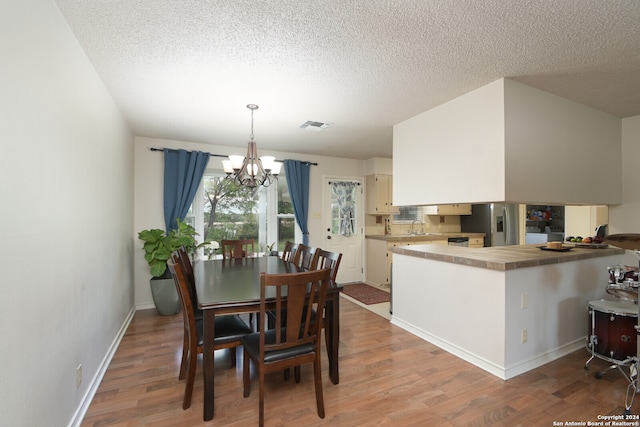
(591, 241)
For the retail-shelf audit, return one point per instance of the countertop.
(502, 258)
(420, 237)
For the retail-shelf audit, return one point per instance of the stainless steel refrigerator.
(498, 221)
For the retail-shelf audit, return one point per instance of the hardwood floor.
(388, 377)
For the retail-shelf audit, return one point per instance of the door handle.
(328, 237)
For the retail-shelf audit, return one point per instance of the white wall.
(559, 151)
(475, 313)
(378, 165)
(67, 205)
(148, 194)
(439, 155)
(625, 218)
(508, 142)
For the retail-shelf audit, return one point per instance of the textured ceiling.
(186, 69)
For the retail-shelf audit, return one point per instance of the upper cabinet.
(458, 209)
(379, 195)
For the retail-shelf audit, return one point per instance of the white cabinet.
(378, 262)
(457, 209)
(380, 195)
(380, 257)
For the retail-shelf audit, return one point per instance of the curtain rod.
(222, 155)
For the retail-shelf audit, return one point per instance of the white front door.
(344, 227)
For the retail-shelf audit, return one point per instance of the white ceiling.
(185, 69)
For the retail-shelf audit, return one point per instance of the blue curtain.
(183, 171)
(297, 174)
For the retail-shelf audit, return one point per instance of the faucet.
(412, 232)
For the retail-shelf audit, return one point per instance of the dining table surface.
(232, 286)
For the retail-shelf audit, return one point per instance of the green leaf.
(158, 269)
(152, 236)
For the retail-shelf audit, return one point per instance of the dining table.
(232, 286)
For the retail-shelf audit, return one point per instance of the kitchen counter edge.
(502, 258)
(420, 237)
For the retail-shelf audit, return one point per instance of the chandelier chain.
(252, 107)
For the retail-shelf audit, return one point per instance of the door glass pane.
(344, 211)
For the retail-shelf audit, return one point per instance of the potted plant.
(269, 250)
(158, 247)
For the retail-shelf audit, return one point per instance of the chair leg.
(327, 343)
(191, 376)
(317, 376)
(261, 397)
(296, 374)
(185, 355)
(232, 355)
(246, 381)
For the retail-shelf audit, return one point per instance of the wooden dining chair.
(305, 256)
(229, 330)
(286, 252)
(238, 249)
(294, 339)
(326, 259)
(331, 260)
(182, 256)
(241, 248)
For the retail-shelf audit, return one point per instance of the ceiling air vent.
(314, 126)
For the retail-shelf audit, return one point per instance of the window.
(285, 219)
(409, 214)
(223, 209)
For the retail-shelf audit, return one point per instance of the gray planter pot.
(165, 296)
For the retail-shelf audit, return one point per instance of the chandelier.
(251, 171)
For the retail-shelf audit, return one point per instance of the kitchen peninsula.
(504, 309)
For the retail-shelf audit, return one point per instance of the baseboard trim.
(78, 416)
(145, 306)
(497, 370)
(542, 359)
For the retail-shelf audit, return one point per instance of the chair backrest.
(185, 261)
(305, 256)
(181, 257)
(286, 253)
(294, 250)
(186, 303)
(301, 294)
(242, 248)
(326, 259)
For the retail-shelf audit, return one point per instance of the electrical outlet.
(523, 336)
(79, 375)
(524, 301)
